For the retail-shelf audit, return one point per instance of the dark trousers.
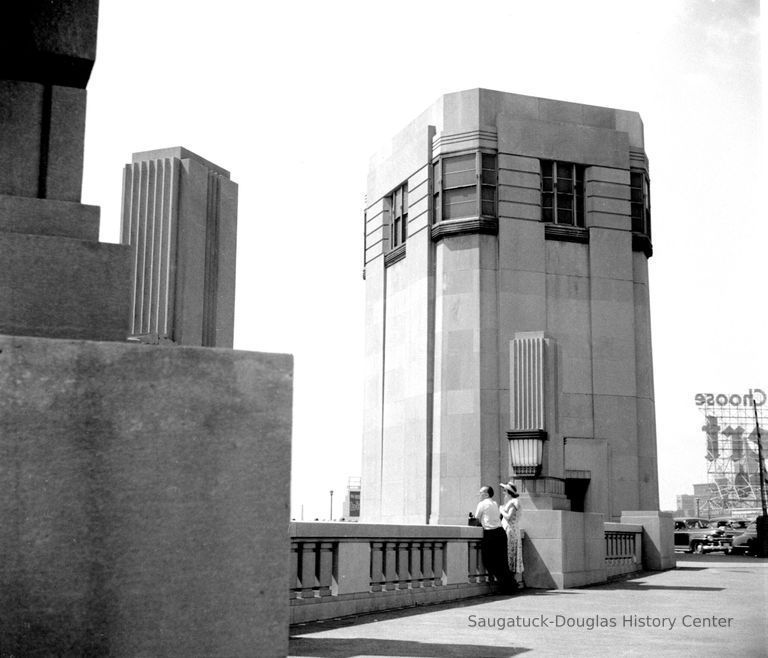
(493, 548)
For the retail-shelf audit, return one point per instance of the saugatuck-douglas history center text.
(593, 622)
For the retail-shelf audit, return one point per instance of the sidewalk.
(710, 605)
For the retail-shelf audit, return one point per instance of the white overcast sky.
(294, 97)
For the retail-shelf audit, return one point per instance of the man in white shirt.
(494, 544)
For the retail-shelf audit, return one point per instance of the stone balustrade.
(623, 548)
(340, 569)
(349, 568)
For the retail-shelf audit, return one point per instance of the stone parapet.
(145, 505)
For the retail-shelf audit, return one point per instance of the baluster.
(307, 571)
(427, 576)
(415, 563)
(403, 574)
(472, 562)
(325, 566)
(390, 565)
(437, 561)
(294, 570)
(377, 564)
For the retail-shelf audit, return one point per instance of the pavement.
(711, 605)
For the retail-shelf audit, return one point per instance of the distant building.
(351, 505)
(180, 219)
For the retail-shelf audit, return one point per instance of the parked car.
(700, 535)
(745, 542)
(731, 526)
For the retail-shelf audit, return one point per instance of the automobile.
(731, 526)
(700, 535)
(745, 542)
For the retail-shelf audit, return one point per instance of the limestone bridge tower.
(508, 332)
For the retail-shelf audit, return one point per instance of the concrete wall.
(143, 492)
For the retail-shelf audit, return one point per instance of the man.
(494, 544)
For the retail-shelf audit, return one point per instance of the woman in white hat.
(510, 513)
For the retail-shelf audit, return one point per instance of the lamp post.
(330, 518)
(762, 521)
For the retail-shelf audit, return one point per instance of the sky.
(293, 98)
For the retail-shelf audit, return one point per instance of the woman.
(510, 514)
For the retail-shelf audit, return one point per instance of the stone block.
(49, 42)
(19, 214)
(610, 254)
(521, 164)
(354, 559)
(658, 537)
(569, 142)
(569, 259)
(63, 288)
(135, 520)
(64, 157)
(595, 174)
(601, 204)
(456, 560)
(609, 220)
(21, 118)
(516, 195)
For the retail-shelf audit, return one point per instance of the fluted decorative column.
(535, 448)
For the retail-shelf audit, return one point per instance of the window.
(399, 216)
(562, 193)
(465, 186)
(640, 202)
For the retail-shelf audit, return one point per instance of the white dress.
(511, 526)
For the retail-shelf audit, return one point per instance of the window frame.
(398, 216)
(640, 202)
(576, 192)
(485, 183)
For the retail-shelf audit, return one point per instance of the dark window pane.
(564, 216)
(396, 233)
(546, 168)
(489, 208)
(565, 201)
(546, 183)
(637, 210)
(636, 179)
(546, 214)
(489, 193)
(580, 211)
(546, 199)
(564, 185)
(564, 170)
(489, 176)
(636, 194)
(637, 224)
(579, 176)
(489, 161)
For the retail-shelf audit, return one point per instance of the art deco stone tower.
(507, 311)
(180, 218)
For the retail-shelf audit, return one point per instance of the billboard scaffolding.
(733, 472)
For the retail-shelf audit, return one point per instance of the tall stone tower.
(180, 219)
(507, 311)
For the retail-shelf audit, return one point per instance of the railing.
(348, 568)
(623, 549)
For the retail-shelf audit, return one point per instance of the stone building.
(507, 309)
(179, 216)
